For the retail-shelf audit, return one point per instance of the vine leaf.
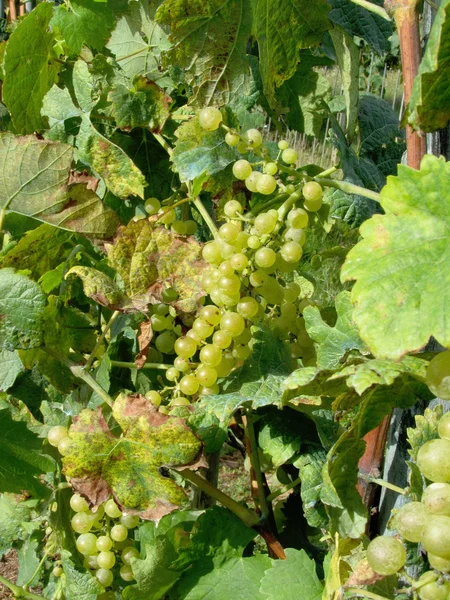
(21, 458)
(30, 69)
(279, 435)
(310, 464)
(34, 181)
(426, 429)
(430, 97)
(59, 108)
(333, 343)
(414, 302)
(79, 585)
(10, 367)
(98, 462)
(103, 290)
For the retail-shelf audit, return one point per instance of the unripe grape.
(239, 261)
(242, 169)
(104, 543)
(210, 314)
(222, 339)
(82, 522)
(118, 533)
(244, 338)
(152, 205)
(78, 503)
(247, 307)
(87, 543)
(283, 145)
(159, 323)
(229, 231)
(433, 460)
(206, 376)
(291, 252)
(105, 577)
(210, 391)
(289, 156)
(266, 184)
(65, 446)
(253, 138)
(438, 563)
(56, 434)
(210, 118)
(241, 352)
(57, 571)
(298, 218)
(436, 499)
(313, 206)
(386, 555)
(291, 292)
(432, 590)
(295, 235)
(180, 401)
(106, 559)
(312, 191)
(410, 521)
(265, 223)
(179, 227)
(154, 397)
(233, 207)
(251, 182)
(167, 218)
(242, 148)
(112, 510)
(232, 139)
(185, 347)
(233, 323)
(202, 328)
(270, 168)
(211, 253)
(169, 294)
(189, 385)
(254, 242)
(265, 257)
(444, 426)
(191, 227)
(165, 342)
(210, 355)
(436, 536)
(258, 278)
(289, 311)
(126, 573)
(128, 554)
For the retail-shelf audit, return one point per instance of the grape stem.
(206, 216)
(256, 465)
(38, 568)
(132, 365)
(349, 188)
(383, 483)
(101, 339)
(365, 594)
(18, 591)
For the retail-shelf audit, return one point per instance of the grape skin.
(436, 536)
(386, 555)
(433, 460)
(210, 118)
(444, 426)
(410, 521)
(438, 375)
(436, 499)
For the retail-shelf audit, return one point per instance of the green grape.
(283, 145)
(185, 347)
(438, 563)
(172, 374)
(444, 426)
(167, 218)
(107, 596)
(229, 231)
(436, 499)
(180, 401)
(247, 307)
(239, 261)
(210, 118)
(112, 510)
(152, 205)
(104, 543)
(211, 253)
(312, 191)
(242, 169)
(251, 183)
(313, 206)
(154, 397)
(265, 223)
(189, 385)
(202, 328)
(253, 138)
(289, 156)
(433, 460)
(159, 323)
(410, 521)
(254, 242)
(233, 207)
(241, 352)
(82, 522)
(210, 391)
(291, 292)
(290, 189)
(222, 339)
(265, 257)
(165, 342)
(270, 168)
(295, 350)
(128, 554)
(106, 559)
(227, 250)
(154, 356)
(295, 235)
(232, 139)
(266, 184)
(87, 543)
(436, 536)
(105, 577)
(272, 291)
(169, 295)
(56, 434)
(432, 590)
(258, 278)
(230, 285)
(78, 503)
(241, 240)
(298, 218)
(206, 376)
(65, 446)
(289, 311)
(210, 314)
(233, 323)
(225, 367)
(244, 338)
(179, 227)
(118, 533)
(386, 555)
(229, 300)
(126, 572)
(226, 269)
(161, 309)
(291, 252)
(57, 571)
(191, 227)
(242, 148)
(210, 355)
(90, 562)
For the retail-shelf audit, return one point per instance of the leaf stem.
(2, 217)
(132, 365)
(372, 7)
(365, 594)
(284, 489)
(38, 568)
(263, 207)
(164, 143)
(254, 460)
(100, 340)
(206, 216)
(18, 591)
(349, 188)
(247, 516)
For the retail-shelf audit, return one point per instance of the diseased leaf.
(99, 462)
(58, 107)
(101, 288)
(429, 105)
(30, 69)
(85, 86)
(296, 577)
(414, 303)
(426, 428)
(10, 367)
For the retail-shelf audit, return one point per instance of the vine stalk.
(19, 592)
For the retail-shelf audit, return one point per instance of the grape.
(239, 261)
(56, 434)
(266, 184)
(229, 300)
(312, 191)
(229, 231)
(87, 543)
(154, 397)
(165, 342)
(265, 223)
(104, 577)
(313, 206)
(191, 227)
(241, 240)
(169, 295)
(189, 385)
(118, 533)
(90, 561)
(432, 590)
(265, 257)
(152, 205)
(272, 291)
(104, 543)
(289, 156)
(291, 252)
(233, 207)
(258, 278)
(242, 148)
(438, 563)
(254, 242)
(172, 374)
(253, 138)
(247, 307)
(210, 391)
(168, 217)
(202, 328)
(159, 323)
(180, 401)
(211, 252)
(242, 169)
(291, 292)
(210, 118)
(295, 235)
(251, 182)
(386, 555)
(436, 536)
(244, 338)
(233, 323)
(106, 559)
(185, 347)
(289, 311)
(230, 285)
(193, 335)
(438, 375)
(206, 375)
(241, 352)
(225, 367)
(298, 218)
(227, 250)
(283, 145)
(128, 554)
(410, 521)
(270, 168)
(78, 503)
(126, 573)
(82, 522)
(433, 460)
(57, 571)
(112, 510)
(179, 227)
(210, 314)
(444, 426)
(436, 499)
(210, 355)
(232, 139)
(107, 596)
(226, 269)
(222, 339)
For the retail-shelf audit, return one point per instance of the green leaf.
(88, 22)
(363, 23)
(12, 514)
(79, 585)
(30, 69)
(28, 558)
(292, 578)
(143, 105)
(21, 458)
(378, 123)
(414, 284)
(34, 181)
(333, 343)
(84, 86)
(58, 107)
(279, 437)
(129, 465)
(430, 97)
(198, 151)
(121, 175)
(310, 464)
(10, 367)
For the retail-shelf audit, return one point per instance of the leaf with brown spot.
(144, 338)
(363, 575)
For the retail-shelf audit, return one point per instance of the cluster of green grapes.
(426, 522)
(169, 217)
